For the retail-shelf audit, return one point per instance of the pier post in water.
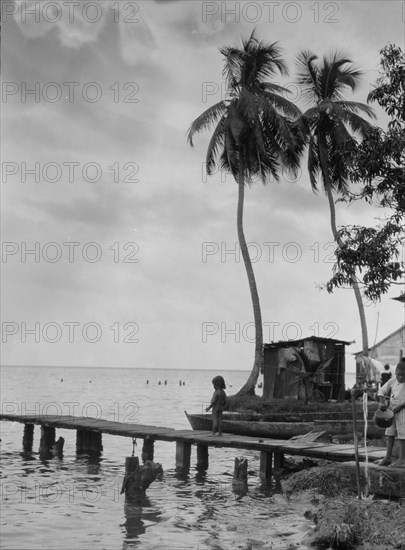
(47, 440)
(148, 449)
(28, 437)
(96, 442)
(240, 476)
(279, 460)
(266, 459)
(183, 452)
(202, 457)
(88, 441)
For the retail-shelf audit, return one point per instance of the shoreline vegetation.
(341, 520)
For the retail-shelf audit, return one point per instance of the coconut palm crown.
(256, 134)
(255, 123)
(333, 124)
(332, 121)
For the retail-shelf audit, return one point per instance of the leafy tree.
(379, 163)
(333, 123)
(255, 135)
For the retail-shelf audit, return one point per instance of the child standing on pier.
(218, 404)
(395, 389)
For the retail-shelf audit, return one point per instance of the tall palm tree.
(255, 135)
(333, 124)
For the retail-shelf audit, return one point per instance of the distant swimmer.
(160, 382)
(147, 381)
(165, 382)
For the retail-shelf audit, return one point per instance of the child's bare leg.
(390, 445)
(220, 423)
(401, 461)
(214, 423)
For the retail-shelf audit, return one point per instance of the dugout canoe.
(282, 430)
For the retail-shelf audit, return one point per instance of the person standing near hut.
(395, 390)
(218, 404)
(386, 374)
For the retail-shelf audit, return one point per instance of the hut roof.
(288, 343)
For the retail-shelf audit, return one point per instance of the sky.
(118, 250)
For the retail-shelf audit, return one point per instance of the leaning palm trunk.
(257, 131)
(249, 386)
(339, 242)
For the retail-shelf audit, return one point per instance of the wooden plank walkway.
(384, 481)
(333, 452)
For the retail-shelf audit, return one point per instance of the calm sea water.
(73, 502)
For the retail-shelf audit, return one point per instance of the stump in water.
(57, 449)
(138, 478)
(240, 476)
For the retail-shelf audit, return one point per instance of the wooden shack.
(314, 362)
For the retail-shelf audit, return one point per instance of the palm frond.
(215, 145)
(283, 105)
(334, 75)
(355, 122)
(275, 88)
(233, 67)
(339, 133)
(355, 107)
(206, 119)
(307, 77)
(313, 163)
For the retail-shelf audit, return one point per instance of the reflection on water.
(138, 517)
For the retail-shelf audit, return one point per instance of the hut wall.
(278, 376)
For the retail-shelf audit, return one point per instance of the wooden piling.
(183, 452)
(131, 464)
(240, 476)
(96, 442)
(148, 449)
(28, 437)
(266, 460)
(240, 471)
(278, 460)
(47, 441)
(88, 441)
(202, 457)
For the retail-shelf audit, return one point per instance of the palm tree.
(256, 134)
(332, 124)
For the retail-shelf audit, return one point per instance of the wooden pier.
(89, 439)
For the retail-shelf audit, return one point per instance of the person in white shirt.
(394, 390)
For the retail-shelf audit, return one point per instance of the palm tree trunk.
(249, 386)
(340, 243)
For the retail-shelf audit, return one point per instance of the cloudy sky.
(118, 250)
